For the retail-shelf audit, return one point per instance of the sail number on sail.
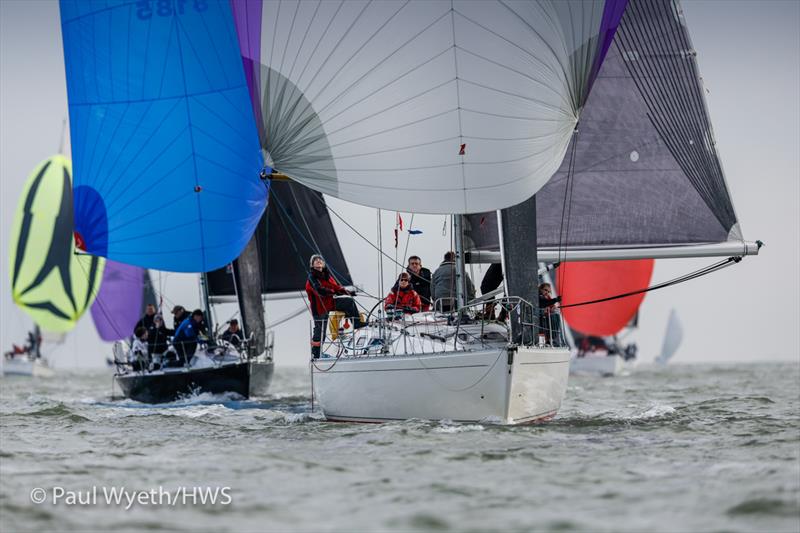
(166, 8)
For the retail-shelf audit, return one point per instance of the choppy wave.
(623, 455)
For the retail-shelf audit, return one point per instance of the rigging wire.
(566, 209)
(361, 235)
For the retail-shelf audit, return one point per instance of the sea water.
(681, 448)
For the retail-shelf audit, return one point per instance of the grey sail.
(645, 172)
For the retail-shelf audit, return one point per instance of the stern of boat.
(537, 383)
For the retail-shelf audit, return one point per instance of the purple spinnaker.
(247, 18)
(118, 305)
(612, 14)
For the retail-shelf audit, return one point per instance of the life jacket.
(320, 288)
(402, 298)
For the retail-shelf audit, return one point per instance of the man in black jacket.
(179, 314)
(147, 321)
(420, 281)
(233, 334)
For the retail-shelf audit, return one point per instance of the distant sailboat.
(48, 281)
(167, 162)
(596, 328)
(673, 336)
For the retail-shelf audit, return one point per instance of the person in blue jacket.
(185, 339)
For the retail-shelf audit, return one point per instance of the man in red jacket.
(321, 287)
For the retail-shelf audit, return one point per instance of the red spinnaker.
(586, 281)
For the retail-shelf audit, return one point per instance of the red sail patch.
(586, 281)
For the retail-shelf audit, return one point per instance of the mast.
(206, 302)
(247, 281)
(520, 264)
(458, 235)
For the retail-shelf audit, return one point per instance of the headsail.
(435, 107)
(646, 170)
(48, 280)
(164, 141)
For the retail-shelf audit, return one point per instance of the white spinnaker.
(371, 102)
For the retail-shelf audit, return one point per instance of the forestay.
(437, 107)
(164, 141)
(646, 169)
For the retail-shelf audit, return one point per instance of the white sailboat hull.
(26, 367)
(498, 384)
(597, 365)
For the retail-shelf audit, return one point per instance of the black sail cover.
(295, 225)
(645, 169)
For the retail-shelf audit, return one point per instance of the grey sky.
(749, 55)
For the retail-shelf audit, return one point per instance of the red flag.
(80, 244)
(463, 149)
(400, 221)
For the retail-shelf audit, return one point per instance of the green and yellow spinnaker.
(48, 280)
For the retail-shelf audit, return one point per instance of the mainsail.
(48, 281)
(645, 172)
(164, 142)
(433, 107)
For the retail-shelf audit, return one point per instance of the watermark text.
(127, 498)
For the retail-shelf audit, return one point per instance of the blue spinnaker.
(165, 149)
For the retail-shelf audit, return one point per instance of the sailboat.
(168, 168)
(673, 336)
(48, 281)
(645, 180)
(577, 129)
(597, 330)
(402, 107)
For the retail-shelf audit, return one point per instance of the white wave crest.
(655, 411)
